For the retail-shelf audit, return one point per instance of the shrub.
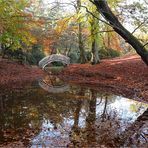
(108, 53)
(74, 57)
(13, 54)
(35, 55)
(32, 57)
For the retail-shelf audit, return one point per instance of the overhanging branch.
(95, 16)
(138, 27)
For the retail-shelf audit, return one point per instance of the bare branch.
(98, 32)
(91, 1)
(145, 44)
(138, 26)
(95, 16)
(146, 2)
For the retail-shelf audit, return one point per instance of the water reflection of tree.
(94, 134)
(15, 119)
(25, 113)
(91, 119)
(104, 114)
(22, 113)
(104, 128)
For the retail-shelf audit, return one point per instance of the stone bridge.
(54, 58)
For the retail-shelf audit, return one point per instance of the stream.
(51, 113)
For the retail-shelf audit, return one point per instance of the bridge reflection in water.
(53, 84)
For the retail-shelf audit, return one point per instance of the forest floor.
(14, 75)
(127, 76)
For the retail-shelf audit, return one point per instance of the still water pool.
(51, 113)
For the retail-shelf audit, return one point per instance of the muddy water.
(51, 113)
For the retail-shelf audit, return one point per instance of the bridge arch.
(54, 58)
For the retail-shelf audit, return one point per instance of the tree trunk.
(95, 53)
(104, 9)
(94, 29)
(81, 47)
(80, 42)
(94, 38)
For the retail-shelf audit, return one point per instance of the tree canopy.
(75, 28)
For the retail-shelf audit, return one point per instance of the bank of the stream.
(15, 75)
(127, 76)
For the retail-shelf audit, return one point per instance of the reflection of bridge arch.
(54, 58)
(54, 89)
